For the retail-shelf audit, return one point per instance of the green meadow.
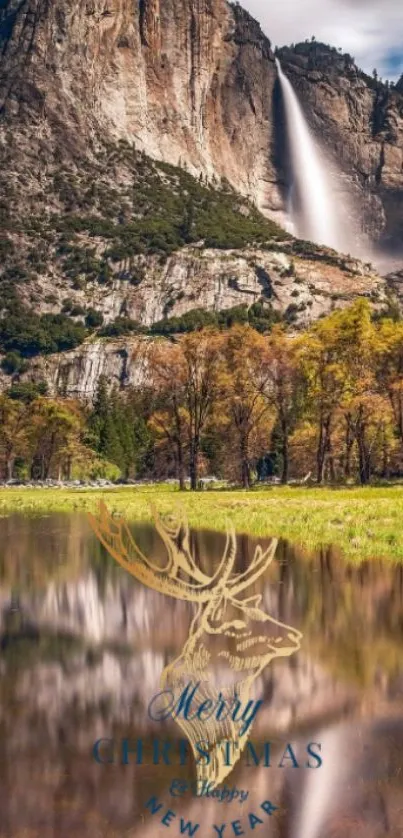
(363, 523)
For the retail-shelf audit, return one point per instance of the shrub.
(6, 247)
(260, 317)
(13, 363)
(93, 319)
(31, 334)
(232, 316)
(121, 326)
(95, 469)
(77, 311)
(27, 391)
(192, 321)
(263, 317)
(291, 314)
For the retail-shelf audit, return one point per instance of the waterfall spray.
(313, 201)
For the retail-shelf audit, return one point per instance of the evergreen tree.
(124, 443)
(110, 447)
(105, 437)
(99, 413)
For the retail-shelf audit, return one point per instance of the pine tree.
(124, 447)
(99, 413)
(103, 426)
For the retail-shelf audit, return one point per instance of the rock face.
(394, 282)
(186, 82)
(193, 84)
(299, 288)
(360, 121)
(212, 279)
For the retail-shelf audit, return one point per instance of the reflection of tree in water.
(36, 551)
(351, 616)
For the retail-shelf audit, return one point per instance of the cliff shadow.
(280, 155)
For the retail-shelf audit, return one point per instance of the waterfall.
(313, 199)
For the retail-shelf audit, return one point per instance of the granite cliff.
(193, 84)
(188, 83)
(360, 122)
(299, 289)
(143, 169)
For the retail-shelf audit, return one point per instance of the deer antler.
(180, 554)
(115, 535)
(258, 565)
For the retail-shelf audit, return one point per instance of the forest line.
(326, 404)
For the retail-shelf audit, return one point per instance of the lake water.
(83, 645)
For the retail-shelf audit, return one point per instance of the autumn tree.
(337, 358)
(357, 352)
(56, 428)
(322, 361)
(372, 423)
(389, 367)
(243, 406)
(14, 433)
(201, 353)
(185, 375)
(282, 389)
(169, 419)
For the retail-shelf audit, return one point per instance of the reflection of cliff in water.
(83, 646)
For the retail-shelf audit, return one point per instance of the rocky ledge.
(299, 288)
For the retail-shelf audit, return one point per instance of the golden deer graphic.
(229, 635)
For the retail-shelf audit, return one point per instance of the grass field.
(363, 523)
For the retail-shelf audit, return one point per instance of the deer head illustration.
(228, 633)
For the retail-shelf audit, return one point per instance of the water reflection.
(82, 649)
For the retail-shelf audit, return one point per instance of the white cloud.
(371, 30)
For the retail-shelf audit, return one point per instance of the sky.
(370, 30)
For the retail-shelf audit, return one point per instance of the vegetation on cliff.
(100, 217)
(96, 222)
